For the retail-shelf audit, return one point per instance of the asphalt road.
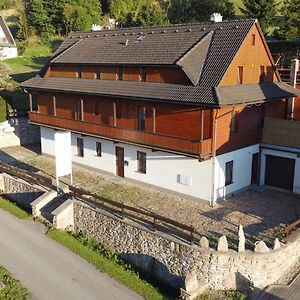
(49, 270)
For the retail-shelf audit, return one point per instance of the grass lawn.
(12, 289)
(119, 272)
(30, 62)
(14, 210)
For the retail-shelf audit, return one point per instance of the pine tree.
(291, 13)
(263, 10)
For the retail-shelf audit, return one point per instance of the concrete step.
(47, 210)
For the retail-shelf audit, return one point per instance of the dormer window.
(120, 73)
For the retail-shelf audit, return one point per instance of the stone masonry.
(171, 260)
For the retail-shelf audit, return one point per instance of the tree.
(181, 11)
(138, 12)
(62, 16)
(291, 13)
(37, 16)
(263, 10)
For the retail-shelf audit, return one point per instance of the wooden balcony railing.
(196, 148)
(281, 132)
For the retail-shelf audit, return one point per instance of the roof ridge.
(162, 26)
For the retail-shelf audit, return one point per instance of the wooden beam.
(54, 105)
(30, 101)
(115, 113)
(153, 119)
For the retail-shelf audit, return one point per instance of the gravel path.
(263, 214)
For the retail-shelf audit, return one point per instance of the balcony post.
(153, 119)
(114, 114)
(30, 101)
(54, 105)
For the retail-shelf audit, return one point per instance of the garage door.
(280, 172)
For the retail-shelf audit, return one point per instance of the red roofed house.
(180, 107)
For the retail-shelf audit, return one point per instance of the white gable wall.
(8, 52)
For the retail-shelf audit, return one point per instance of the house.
(180, 107)
(8, 48)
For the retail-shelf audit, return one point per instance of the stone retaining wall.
(171, 260)
(18, 190)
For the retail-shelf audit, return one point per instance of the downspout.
(214, 151)
(212, 192)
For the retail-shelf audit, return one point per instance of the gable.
(251, 58)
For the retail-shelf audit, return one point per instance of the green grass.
(109, 266)
(30, 62)
(13, 289)
(14, 209)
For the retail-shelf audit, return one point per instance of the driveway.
(49, 270)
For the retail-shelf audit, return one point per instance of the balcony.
(281, 132)
(189, 147)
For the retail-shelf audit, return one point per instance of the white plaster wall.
(47, 141)
(265, 152)
(8, 52)
(242, 168)
(162, 168)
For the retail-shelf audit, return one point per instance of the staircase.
(49, 208)
(55, 209)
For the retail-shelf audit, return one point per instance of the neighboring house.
(280, 148)
(8, 48)
(180, 107)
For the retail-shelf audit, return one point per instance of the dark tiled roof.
(251, 93)
(174, 93)
(10, 40)
(193, 61)
(161, 46)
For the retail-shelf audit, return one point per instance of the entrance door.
(280, 172)
(254, 172)
(120, 161)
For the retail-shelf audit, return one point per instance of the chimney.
(96, 27)
(216, 18)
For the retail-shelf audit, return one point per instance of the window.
(141, 162)
(142, 118)
(79, 72)
(270, 73)
(262, 73)
(98, 72)
(120, 73)
(253, 40)
(98, 149)
(143, 74)
(229, 173)
(118, 111)
(79, 108)
(80, 151)
(234, 122)
(240, 74)
(96, 108)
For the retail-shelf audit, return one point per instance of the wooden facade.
(129, 73)
(187, 129)
(254, 60)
